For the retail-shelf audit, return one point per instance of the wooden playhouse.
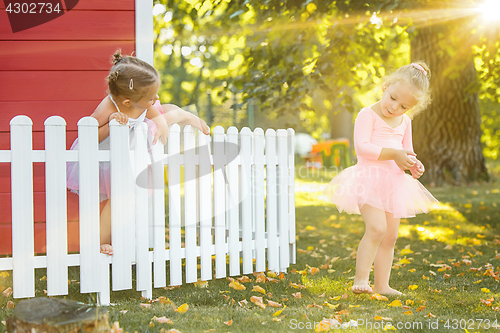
(59, 68)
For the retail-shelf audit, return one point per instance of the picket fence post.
(174, 205)
(291, 194)
(206, 202)
(259, 201)
(159, 255)
(23, 240)
(220, 177)
(233, 200)
(56, 206)
(271, 210)
(89, 204)
(245, 178)
(190, 202)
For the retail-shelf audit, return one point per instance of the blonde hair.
(418, 75)
(130, 77)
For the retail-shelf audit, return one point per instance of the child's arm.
(161, 124)
(104, 112)
(363, 128)
(175, 115)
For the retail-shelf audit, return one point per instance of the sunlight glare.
(491, 10)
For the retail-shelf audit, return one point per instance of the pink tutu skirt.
(72, 168)
(392, 191)
(73, 176)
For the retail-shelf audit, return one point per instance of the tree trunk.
(447, 135)
(53, 315)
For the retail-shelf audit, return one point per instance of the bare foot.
(107, 249)
(361, 288)
(388, 292)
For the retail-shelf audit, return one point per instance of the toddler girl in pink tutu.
(133, 87)
(377, 186)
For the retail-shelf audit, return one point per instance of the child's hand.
(405, 159)
(417, 170)
(121, 118)
(203, 127)
(161, 132)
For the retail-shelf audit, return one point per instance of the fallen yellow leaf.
(229, 323)
(261, 279)
(259, 289)
(485, 290)
(183, 308)
(420, 308)
(331, 306)
(236, 285)
(403, 261)
(254, 299)
(277, 313)
(244, 278)
(413, 287)
(7, 292)
(405, 252)
(379, 297)
(381, 318)
(274, 304)
(314, 270)
(201, 284)
(408, 312)
(396, 303)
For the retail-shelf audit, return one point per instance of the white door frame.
(144, 31)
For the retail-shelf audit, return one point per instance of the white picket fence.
(237, 206)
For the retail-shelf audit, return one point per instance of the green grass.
(459, 238)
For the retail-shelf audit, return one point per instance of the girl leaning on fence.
(132, 99)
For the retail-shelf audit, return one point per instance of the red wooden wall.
(57, 68)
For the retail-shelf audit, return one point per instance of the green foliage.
(303, 60)
(195, 52)
(490, 125)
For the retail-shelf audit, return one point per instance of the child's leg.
(105, 226)
(375, 229)
(385, 256)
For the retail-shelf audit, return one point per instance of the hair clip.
(131, 84)
(419, 67)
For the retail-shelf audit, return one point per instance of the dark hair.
(130, 77)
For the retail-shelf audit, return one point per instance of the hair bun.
(422, 65)
(117, 57)
(113, 76)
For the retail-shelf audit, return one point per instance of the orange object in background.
(326, 145)
(315, 159)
